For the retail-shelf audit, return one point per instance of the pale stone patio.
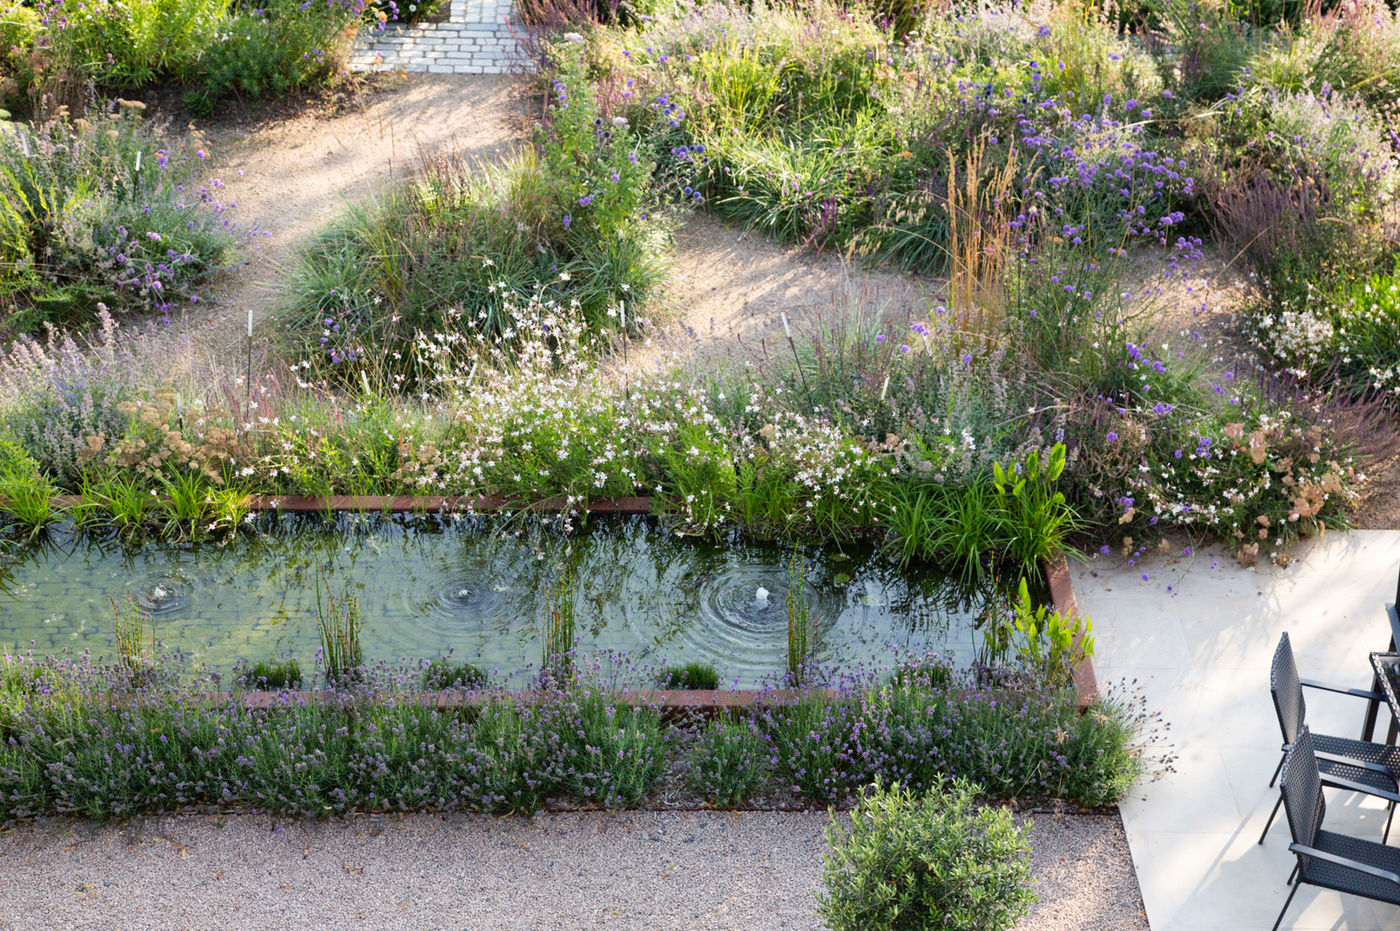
(1198, 635)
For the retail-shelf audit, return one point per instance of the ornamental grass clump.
(690, 676)
(929, 860)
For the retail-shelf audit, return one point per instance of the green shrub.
(690, 676)
(19, 29)
(272, 47)
(134, 42)
(926, 861)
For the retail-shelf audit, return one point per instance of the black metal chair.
(1326, 858)
(1344, 763)
(1373, 707)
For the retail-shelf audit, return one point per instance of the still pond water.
(479, 589)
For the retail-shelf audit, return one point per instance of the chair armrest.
(1353, 786)
(1354, 693)
(1350, 864)
(1359, 764)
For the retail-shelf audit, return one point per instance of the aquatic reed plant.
(557, 660)
(340, 623)
(134, 630)
(801, 631)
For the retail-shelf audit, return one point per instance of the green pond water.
(479, 589)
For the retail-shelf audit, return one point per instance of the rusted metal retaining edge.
(1086, 684)
(668, 702)
(664, 700)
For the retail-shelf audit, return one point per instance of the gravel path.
(632, 870)
(290, 178)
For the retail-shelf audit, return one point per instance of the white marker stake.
(248, 376)
(138, 161)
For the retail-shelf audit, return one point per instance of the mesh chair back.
(1302, 790)
(1287, 691)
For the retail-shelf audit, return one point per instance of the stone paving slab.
(1198, 634)
(476, 39)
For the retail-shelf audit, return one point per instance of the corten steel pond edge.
(1056, 574)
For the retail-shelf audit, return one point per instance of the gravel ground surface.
(751, 871)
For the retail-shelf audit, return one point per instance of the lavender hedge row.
(67, 748)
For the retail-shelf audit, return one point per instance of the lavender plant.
(103, 213)
(730, 762)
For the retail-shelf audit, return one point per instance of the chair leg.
(1292, 876)
(1287, 902)
(1388, 818)
(1277, 769)
(1274, 814)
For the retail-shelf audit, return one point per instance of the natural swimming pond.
(480, 588)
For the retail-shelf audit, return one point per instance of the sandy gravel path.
(657, 871)
(292, 177)
(729, 287)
